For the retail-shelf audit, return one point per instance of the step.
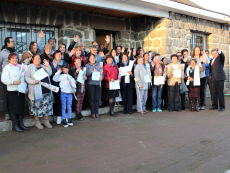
(29, 122)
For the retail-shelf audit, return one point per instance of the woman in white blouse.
(13, 77)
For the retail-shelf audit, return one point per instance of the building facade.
(165, 35)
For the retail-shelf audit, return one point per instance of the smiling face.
(48, 50)
(124, 58)
(193, 63)
(52, 43)
(165, 61)
(94, 51)
(146, 57)
(82, 47)
(157, 60)
(77, 63)
(11, 43)
(92, 59)
(14, 60)
(37, 60)
(62, 48)
(174, 59)
(109, 61)
(214, 54)
(113, 53)
(35, 47)
(197, 51)
(134, 52)
(58, 56)
(118, 50)
(65, 70)
(140, 61)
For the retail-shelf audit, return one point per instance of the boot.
(47, 123)
(191, 104)
(197, 105)
(20, 122)
(111, 105)
(38, 124)
(7, 117)
(14, 120)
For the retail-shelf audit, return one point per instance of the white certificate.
(96, 76)
(129, 68)
(114, 85)
(146, 78)
(22, 87)
(123, 71)
(40, 74)
(177, 73)
(80, 77)
(127, 80)
(159, 80)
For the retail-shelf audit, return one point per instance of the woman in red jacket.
(77, 53)
(110, 71)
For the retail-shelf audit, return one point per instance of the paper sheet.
(95, 75)
(123, 70)
(127, 79)
(114, 85)
(40, 74)
(22, 87)
(80, 77)
(146, 78)
(159, 80)
(177, 73)
(129, 68)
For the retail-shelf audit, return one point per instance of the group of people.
(128, 76)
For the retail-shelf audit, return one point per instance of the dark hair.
(57, 51)
(11, 55)
(108, 56)
(101, 44)
(157, 54)
(131, 56)
(112, 51)
(118, 46)
(163, 59)
(124, 53)
(76, 59)
(90, 54)
(146, 53)
(52, 38)
(193, 52)
(7, 40)
(100, 51)
(213, 50)
(207, 51)
(31, 61)
(174, 55)
(60, 45)
(179, 52)
(193, 59)
(65, 66)
(31, 46)
(139, 58)
(184, 50)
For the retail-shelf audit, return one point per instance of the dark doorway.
(100, 38)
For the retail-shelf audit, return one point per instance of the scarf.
(11, 49)
(59, 63)
(125, 63)
(196, 79)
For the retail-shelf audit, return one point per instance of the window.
(24, 34)
(198, 39)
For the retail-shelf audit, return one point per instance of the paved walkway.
(155, 142)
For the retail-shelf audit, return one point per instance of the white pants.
(141, 99)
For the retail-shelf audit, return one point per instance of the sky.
(221, 6)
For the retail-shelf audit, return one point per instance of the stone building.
(165, 26)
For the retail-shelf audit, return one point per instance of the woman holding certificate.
(55, 65)
(193, 81)
(94, 77)
(201, 57)
(112, 84)
(75, 72)
(127, 84)
(141, 78)
(41, 98)
(174, 81)
(12, 76)
(158, 81)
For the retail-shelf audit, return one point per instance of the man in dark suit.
(217, 79)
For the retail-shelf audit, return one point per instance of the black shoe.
(111, 104)
(183, 108)
(130, 112)
(70, 123)
(14, 119)
(170, 110)
(20, 122)
(65, 124)
(178, 110)
(221, 110)
(212, 108)
(125, 112)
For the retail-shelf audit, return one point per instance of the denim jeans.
(156, 96)
(66, 101)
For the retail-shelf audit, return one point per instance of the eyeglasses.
(12, 41)
(179, 55)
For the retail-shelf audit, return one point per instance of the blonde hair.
(75, 50)
(48, 46)
(60, 45)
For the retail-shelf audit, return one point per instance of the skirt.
(16, 102)
(194, 92)
(111, 93)
(42, 108)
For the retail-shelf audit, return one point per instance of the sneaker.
(65, 124)
(70, 123)
(159, 110)
(202, 108)
(154, 110)
(59, 119)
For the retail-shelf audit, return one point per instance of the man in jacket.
(51, 41)
(8, 48)
(217, 79)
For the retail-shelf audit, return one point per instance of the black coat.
(217, 71)
(45, 56)
(123, 84)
